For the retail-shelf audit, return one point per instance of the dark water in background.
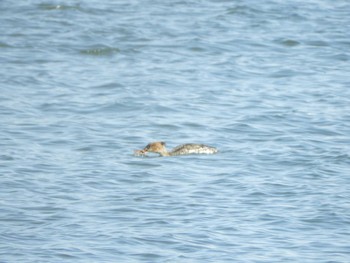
(84, 83)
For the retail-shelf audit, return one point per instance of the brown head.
(155, 147)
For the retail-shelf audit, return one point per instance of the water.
(84, 83)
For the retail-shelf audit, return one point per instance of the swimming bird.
(184, 149)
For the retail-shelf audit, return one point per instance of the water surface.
(84, 83)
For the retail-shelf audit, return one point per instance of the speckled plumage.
(184, 149)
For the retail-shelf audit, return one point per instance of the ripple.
(4, 45)
(50, 7)
(289, 42)
(100, 51)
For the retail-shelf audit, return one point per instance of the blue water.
(84, 83)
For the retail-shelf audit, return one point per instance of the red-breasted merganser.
(189, 148)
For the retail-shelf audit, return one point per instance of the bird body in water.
(184, 149)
